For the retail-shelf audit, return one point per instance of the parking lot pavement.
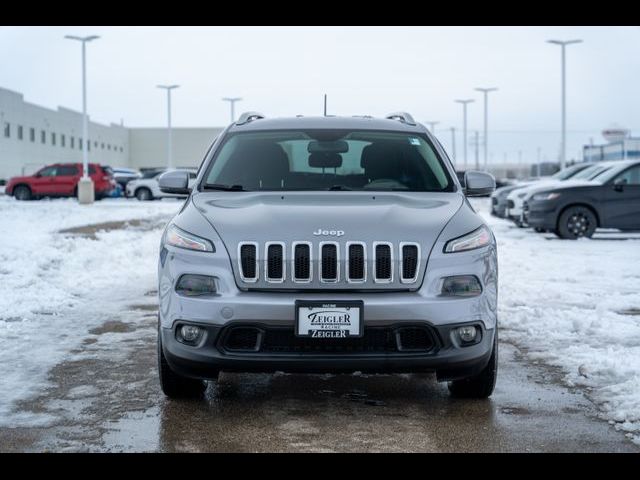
(102, 400)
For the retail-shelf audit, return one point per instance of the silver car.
(327, 244)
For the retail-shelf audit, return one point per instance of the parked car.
(610, 200)
(499, 199)
(515, 198)
(146, 187)
(124, 175)
(60, 180)
(324, 244)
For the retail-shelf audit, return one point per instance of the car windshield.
(570, 172)
(327, 160)
(591, 172)
(151, 173)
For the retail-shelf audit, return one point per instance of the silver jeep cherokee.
(330, 244)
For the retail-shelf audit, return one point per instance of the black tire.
(144, 194)
(482, 384)
(577, 222)
(23, 193)
(174, 385)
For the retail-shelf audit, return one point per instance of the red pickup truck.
(60, 180)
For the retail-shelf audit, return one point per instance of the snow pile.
(576, 305)
(55, 287)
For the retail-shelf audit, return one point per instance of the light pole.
(485, 92)
(453, 143)
(168, 88)
(86, 194)
(232, 103)
(563, 148)
(464, 128)
(432, 126)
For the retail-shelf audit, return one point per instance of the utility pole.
(232, 102)
(485, 92)
(453, 144)
(168, 88)
(464, 128)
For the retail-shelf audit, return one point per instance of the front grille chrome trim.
(348, 259)
(257, 263)
(413, 279)
(337, 279)
(375, 263)
(293, 263)
(266, 263)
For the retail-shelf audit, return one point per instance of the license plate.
(329, 319)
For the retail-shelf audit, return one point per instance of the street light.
(464, 128)
(486, 91)
(232, 102)
(432, 126)
(563, 148)
(86, 193)
(168, 88)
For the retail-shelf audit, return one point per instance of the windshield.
(567, 173)
(327, 160)
(591, 172)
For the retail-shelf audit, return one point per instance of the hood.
(23, 178)
(334, 216)
(556, 185)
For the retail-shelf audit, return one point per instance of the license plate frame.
(341, 306)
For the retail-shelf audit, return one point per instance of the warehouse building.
(32, 136)
(621, 146)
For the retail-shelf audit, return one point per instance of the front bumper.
(542, 215)
(448, 358)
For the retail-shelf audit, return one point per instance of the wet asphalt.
(108, 399)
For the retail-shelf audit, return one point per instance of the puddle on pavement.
(112, 326)
(136, 431)
(630, 311)
(90, 231)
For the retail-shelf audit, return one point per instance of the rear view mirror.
(176, 182)
(325, 160)
(478, 184)
(619, 184)
(335, 146)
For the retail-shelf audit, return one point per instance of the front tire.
(23, 193)
(174, 385)
(144, 194)
(482, 384)
(577, 222)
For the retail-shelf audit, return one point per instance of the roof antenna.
(325, 104)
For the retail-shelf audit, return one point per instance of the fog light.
(461, 286)
(468, 333)
(189, 333)
(196, 285)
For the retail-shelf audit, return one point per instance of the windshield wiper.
(339, 187)
(227, 188)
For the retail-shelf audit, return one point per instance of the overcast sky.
(286, 70)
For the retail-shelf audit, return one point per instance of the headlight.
(181, 239)
(476, 239)
(545, 196)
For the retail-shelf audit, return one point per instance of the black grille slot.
(510, 204)
(329, 259)
(356, 262)
(284, 340)
(414, 338)
(383, 262)
(409, 261)
(243, 338)
(248, 261)
(275, 262)
(302, 262)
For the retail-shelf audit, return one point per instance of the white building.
(620, 146)
(32, 136)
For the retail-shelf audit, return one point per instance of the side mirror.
(618, 184)
(175, 182)
(478, 184)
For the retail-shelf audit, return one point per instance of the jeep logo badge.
(328, 233)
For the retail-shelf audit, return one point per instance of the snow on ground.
(55, 287)
(576, 305)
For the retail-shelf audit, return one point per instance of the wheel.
(577, 222)
(482, 384)
(22, 192)
(174, 385)
(144, 194)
